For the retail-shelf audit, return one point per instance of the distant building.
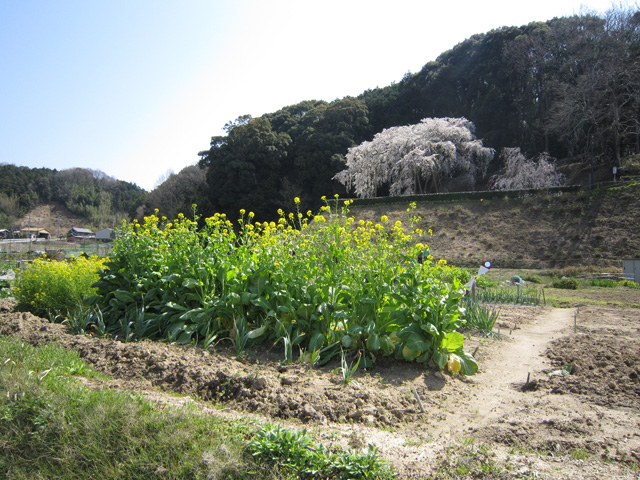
(631, 269)
(105, 235)
(34, 232)
(4, 233)
(79, 234)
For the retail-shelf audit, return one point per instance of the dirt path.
(500, 383)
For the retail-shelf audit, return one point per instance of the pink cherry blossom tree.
(437, 154)
(521, 172)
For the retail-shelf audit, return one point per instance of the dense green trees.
(89, 193)
(177, 193)
(263, 163)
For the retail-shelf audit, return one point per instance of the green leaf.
(387, 345)
(191, 283)
(262, 303)
(258, 332)
(373, 342)
(440, 359)
(174, 329)
(316, 342)
(430, 328)
(347, 340)
(468, 364)
(184, 338)
(190, 314)
(452, 341)
(176, 306)
(123, 295)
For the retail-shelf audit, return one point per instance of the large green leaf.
(373, 342)
(452, 342)
(468, 364)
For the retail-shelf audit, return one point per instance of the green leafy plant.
(298, 452)
(451, 354)
(347, 371)
(86, 323)
(53, 289)
(315, 283)
(567, 283)
(480, 318)
(5, 288)
(533, 279)
(522, 296)
(601, 282)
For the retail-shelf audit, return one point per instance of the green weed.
(295, 451)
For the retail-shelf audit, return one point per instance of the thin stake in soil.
(415, 392)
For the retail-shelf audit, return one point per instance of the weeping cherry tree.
(437, 154)
(521, 172)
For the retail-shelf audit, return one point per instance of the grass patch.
(53, 427)
(296, 452)
(598, 296)
(580, 454)
(469, 460)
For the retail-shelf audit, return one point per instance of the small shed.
(105, 235)
(35, 232)
(631, 269)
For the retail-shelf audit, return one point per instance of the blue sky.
(136, 88)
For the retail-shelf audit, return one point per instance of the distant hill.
(90, 195)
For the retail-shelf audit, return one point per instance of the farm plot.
(583, 423)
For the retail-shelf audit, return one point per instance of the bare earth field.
(579, 425)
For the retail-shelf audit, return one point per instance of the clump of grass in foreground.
(297, 452)
(468, 460)
(51, 427)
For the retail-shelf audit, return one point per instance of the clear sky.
(136, 88)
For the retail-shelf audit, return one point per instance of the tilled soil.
(522, 416)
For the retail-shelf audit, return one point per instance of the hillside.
(54, 218)
(585, 228)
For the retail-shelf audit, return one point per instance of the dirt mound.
(604, 376)
(562, 427)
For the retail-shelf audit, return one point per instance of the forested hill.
(87, 193)
(569, 87)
